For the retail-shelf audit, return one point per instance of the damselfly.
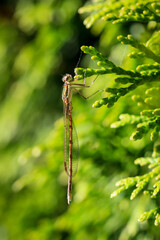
(71, 150)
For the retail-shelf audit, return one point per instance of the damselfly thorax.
(66, 95)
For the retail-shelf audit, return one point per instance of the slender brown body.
(68, 140)
(69, 195)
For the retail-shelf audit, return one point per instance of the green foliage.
(141, 183)
(122, 11)
(145, 76)
(144, 124)
(144, 73)
(40, 41)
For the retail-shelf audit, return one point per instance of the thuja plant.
(145, 75)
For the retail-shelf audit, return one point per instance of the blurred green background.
(39, 42)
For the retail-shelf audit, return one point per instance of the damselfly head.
(67, 78)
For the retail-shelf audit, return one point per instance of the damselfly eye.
(67, 78)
